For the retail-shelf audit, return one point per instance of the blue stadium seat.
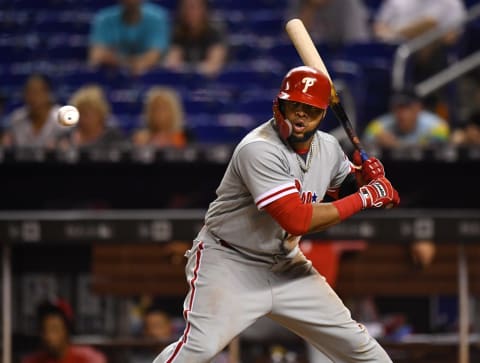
(241, 77)
(104, 77)
(128, 123)
(266, 22)
(367, 51)
(67, 52)
(372, 5)
(212, 129)
(193, 107)
(378, 88)
(162, 77)
(14, 54)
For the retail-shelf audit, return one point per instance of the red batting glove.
(379, 193)
(368, 170)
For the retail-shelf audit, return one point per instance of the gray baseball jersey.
(256, 273)
(262, 170)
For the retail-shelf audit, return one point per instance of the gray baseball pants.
(229, 292)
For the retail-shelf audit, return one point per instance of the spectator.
(407, 124)
(399, 20)
(469, 135)
(333, 21)
(34, 124)
(196, 41)
(423, 252)
(55, 325)
(130, 34)
(406, 19)
(164, 118)
(92, 129)
(157, 327)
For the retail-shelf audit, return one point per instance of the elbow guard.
(292, 215)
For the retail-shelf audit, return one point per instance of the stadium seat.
(367, 51)
(378, 88)
(86, 75)
(14, 54)
(128, 123)
(266, 22)
(162, 77)
(210, 129)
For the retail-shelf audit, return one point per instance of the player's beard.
(306, 136)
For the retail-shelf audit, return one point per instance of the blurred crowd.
(140, 37)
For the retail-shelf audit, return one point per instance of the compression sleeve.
(292, 215)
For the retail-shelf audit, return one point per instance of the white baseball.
(68, 116)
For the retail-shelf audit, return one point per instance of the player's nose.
(300, 113)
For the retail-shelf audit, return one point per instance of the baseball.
(68, 116)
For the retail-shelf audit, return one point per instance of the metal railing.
(405, 50)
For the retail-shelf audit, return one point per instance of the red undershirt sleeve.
(293, 216)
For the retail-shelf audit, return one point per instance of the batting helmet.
(301, 84)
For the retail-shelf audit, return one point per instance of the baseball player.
(245, 263)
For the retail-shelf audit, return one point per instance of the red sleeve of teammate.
(293, 215)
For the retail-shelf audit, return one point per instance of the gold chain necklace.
(305, 165)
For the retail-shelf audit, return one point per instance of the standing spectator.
(407, 124)
(333, 21)
(399, 20)
(406, 19)
(55, 325)
(92, 129)
(34, 124)
(131, 34)
(164, 118)
(196, 41)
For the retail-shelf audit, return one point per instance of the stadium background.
(51, 37)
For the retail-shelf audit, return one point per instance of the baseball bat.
(309, 54)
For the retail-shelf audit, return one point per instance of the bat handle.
(363, 154)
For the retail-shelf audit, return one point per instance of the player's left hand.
(368, 170)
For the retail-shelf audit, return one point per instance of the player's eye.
(311, 111)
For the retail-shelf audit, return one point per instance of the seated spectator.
(55, 328)
(130, 34)
(333, 21)
(164, 118)
(34, 124)
(157, 326)
(196, 41)
(92, 129)
(469, 135)
(407, 124)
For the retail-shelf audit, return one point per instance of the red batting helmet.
(301, 84)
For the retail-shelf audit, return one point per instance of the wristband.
(349, 206)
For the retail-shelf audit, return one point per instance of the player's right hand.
(379, 193)
(368, 170)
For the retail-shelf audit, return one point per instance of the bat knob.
(363, 155)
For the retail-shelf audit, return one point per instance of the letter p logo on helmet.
(308, 82)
